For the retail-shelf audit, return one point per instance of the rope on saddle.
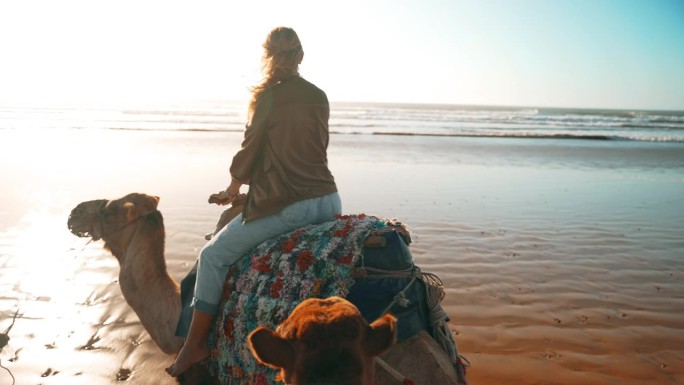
(434, 294)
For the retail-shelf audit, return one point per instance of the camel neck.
(142, 260)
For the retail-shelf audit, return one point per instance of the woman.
(283, 159)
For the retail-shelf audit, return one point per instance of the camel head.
(324, 341)
(113, 220)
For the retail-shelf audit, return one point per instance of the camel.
(132, 229)
(324, 341)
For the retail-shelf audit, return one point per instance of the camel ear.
(271, 349)
(131, 212)
(153, 200)
(381, 335)
(148, 205)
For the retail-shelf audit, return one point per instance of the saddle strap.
(393, 372)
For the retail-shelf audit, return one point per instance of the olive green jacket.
(284, 152)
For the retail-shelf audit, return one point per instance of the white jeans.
(237, 238)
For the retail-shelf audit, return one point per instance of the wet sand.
(562, 260)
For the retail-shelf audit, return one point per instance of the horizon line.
(46, 103)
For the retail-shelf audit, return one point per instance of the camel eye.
(106, 211)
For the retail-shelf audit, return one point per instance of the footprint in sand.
(123, 374)
(49, 372)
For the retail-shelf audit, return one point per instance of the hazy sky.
(570, 53)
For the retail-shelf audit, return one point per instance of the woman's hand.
(228, 195)
(222, 198)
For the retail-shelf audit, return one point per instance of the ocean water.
(367, 119)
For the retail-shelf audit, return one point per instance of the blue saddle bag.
(381, 275)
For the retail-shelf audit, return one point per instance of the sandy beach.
(562, 259)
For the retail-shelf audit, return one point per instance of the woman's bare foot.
(196, 347)
(187, 357)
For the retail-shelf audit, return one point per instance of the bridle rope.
(102, 225)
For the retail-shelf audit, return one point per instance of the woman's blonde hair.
(282, 55)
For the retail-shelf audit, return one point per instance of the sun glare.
(45, 263)
(81, 51)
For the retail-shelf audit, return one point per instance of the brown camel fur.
(324, 341)
(133, 230)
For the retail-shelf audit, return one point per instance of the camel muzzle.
(83, 216)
